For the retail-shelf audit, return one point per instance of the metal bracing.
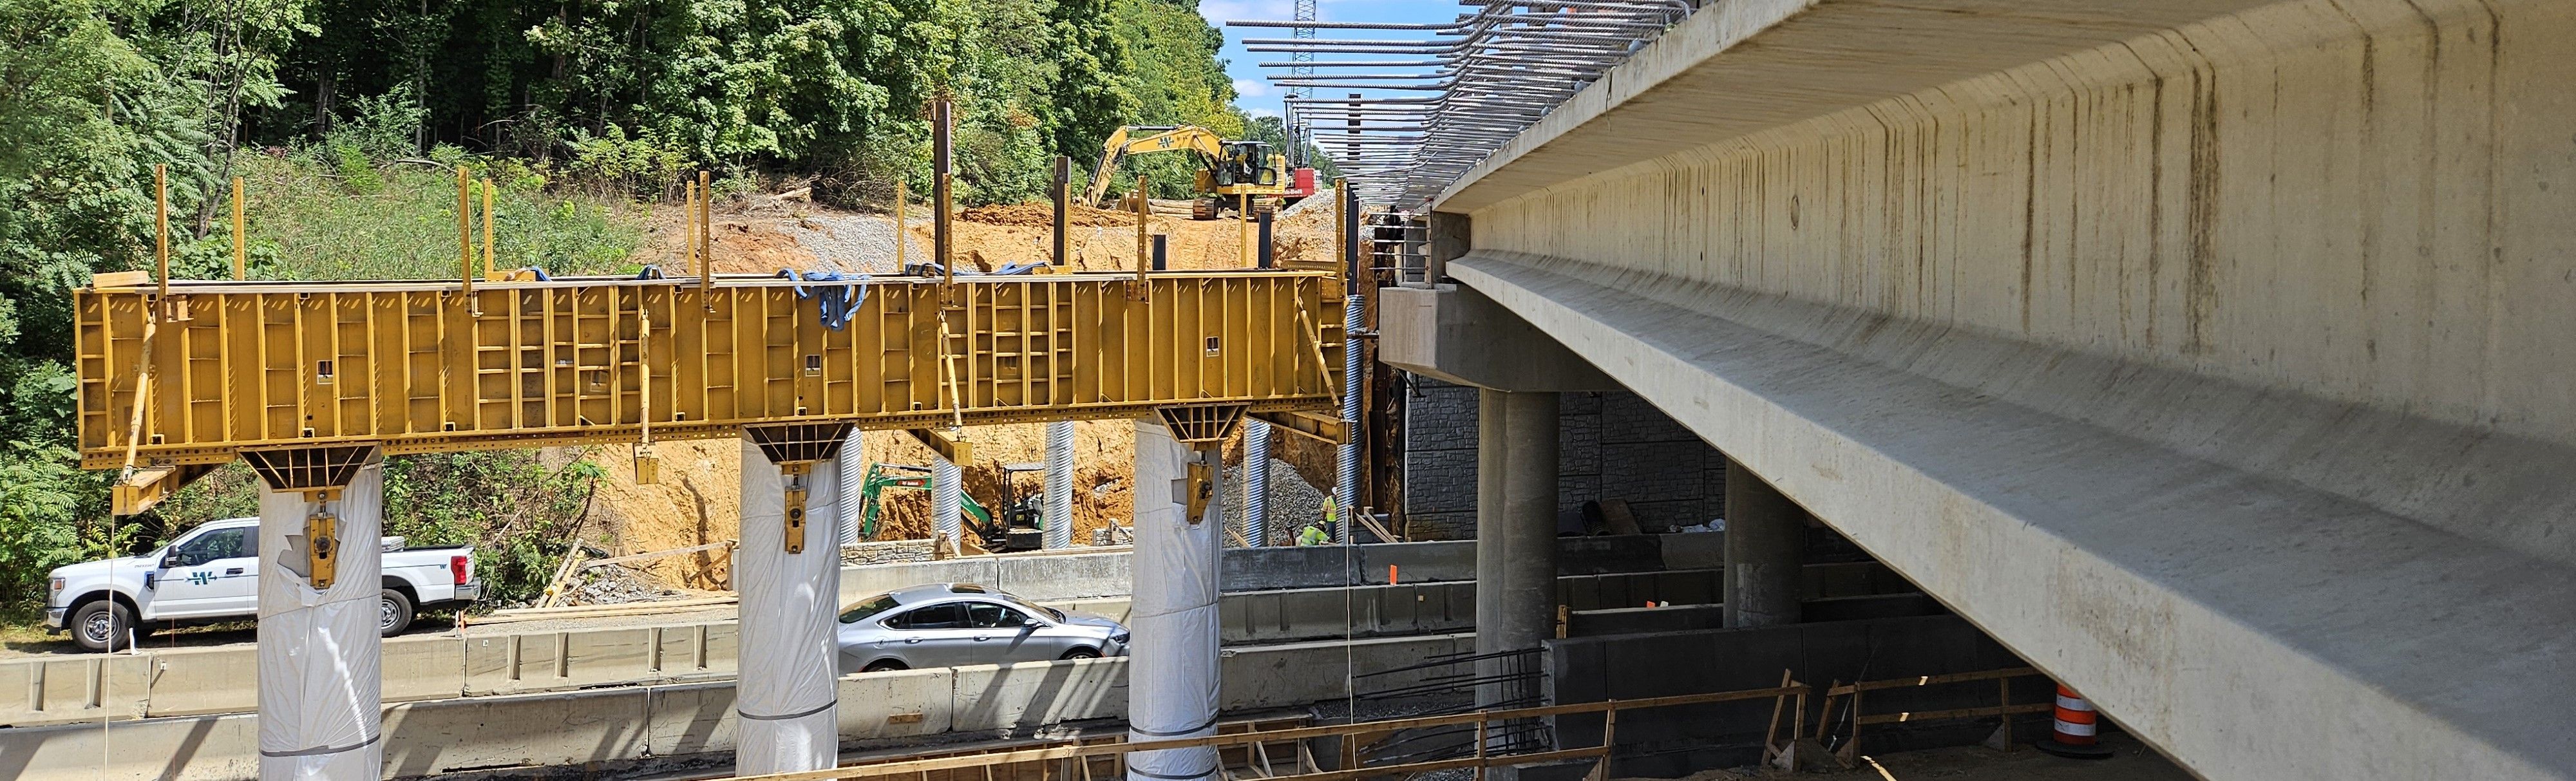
(427, 366)
(1492, 73)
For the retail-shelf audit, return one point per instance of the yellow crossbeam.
(413, 367)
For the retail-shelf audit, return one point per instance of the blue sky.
(1256, 96)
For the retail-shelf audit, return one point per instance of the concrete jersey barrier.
(681, 726)
(1057, 576)
(195, 681)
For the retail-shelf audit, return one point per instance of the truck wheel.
(101, 625)
(394, 614)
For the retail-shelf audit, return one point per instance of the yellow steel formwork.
(427, 366)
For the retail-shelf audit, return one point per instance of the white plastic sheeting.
(1059, 485)
(785, 696)
(1172, 656)
(320, 686)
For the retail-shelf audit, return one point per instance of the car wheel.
(393, 613)
(885, 665)
(101, 625)
(1081, 653)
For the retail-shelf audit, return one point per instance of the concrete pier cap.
(1459, 335)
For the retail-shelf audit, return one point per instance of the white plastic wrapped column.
(785, 697)
(1059, 485)
(853, 477)
(1256, 482)
(947, 507)
(1172, 656)
(320, 685)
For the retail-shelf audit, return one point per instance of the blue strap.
(833, 304)
(541, 274)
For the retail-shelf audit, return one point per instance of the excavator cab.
(1246, 163)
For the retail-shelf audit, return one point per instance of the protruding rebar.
(1495, 72)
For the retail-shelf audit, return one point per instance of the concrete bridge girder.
(2184, 596)
(2203, 353)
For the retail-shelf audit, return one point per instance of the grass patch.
(308, 222)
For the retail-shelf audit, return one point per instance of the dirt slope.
(698, 498)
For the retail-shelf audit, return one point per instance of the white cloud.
(1252, 88)
(1260, 112)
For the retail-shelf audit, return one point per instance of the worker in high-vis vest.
(1313, 534)
(1332, 515)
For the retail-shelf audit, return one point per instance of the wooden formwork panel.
(426, 366)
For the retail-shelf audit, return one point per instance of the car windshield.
(868, 608)
(1058, 614)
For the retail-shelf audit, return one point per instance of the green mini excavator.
(1021, 526)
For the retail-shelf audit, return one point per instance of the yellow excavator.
(1226, 169)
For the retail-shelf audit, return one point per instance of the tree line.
(612, 98)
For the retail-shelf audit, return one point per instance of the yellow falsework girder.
(411, 367)
(147, 487)
(956, 451)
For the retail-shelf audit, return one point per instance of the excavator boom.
(1205, 143)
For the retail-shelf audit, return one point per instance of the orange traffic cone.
(2073, 735)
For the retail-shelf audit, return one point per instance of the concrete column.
(1172, 655)
(1516, 470)
(785, 695)
(1765, 535)
(1059, 467)
(320, 686)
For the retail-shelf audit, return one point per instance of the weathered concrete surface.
(2211, 355)
(1460, 336)
(89, 687)
(671, 722)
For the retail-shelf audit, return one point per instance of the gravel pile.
(615, 585)
(861, 243)
(886, 552)
(1292, 501)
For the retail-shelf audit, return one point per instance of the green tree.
(1092, 89)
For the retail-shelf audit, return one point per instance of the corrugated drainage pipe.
(853, 473)
(945, 509)
(1256, 483)
(1059, 485)
(1346, 488)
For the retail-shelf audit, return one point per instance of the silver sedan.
(951, 624)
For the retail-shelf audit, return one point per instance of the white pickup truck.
(211, 574)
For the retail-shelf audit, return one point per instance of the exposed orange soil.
(698, 497)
